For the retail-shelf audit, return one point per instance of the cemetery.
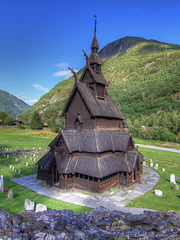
(113, 183)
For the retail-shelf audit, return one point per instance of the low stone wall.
(99, 224)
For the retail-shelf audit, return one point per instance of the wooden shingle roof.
(97, 108)
(94, 141)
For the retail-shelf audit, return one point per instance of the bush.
(7, 120)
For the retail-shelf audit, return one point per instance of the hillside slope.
(11, 104)
(145, 79)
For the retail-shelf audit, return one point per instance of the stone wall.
(99, 224)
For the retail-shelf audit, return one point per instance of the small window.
(100, 91)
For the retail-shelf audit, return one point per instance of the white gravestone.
(144, 163)
(40, 207)
(28, 205)
(10, 167)
(1, 184)
(158, 193)
(151, 164)
(156, 167)
(163, 169)
(7, 156)
(172, 179)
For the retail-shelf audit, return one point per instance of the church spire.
(94, 44)
(94, 58)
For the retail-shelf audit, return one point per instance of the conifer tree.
(36, 121)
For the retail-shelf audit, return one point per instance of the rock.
(28, 205)
(99, 214)
(16, 219)
(10, 194)
(33, 166)
(158, 226)
(176, 187)
(40, 207)
(15, 237)
(174, 219)
(5, 221)
(136, 219)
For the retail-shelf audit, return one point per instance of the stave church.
(94, 151)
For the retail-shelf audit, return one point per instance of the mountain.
(144, 79)
(11, 104)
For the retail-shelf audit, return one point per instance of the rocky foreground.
(97, 224)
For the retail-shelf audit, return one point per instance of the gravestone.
(177, 177)
(172, 179)
(7, 156)
(40, 207)
(33, 166)
(16, 160)
(144, 163)
(151, 164)
(28, 205)
(5, 163)
(156, 167)
(163, 169)
(1, 184)
(25, 156)
(176, 187)
(10, 194)
(31, 158)
(19, 171)
(10, 167)
(26, 164)
(158, 193)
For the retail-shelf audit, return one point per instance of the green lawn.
(158, 143)
(160, 155)
(170, 198)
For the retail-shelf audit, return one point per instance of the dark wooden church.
(94, 151)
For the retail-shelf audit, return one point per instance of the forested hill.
(11, 104)
(144, 75)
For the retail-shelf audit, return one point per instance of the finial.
(87, 58)
(75, 74)
(95, 27)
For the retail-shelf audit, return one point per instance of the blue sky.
(40, 39)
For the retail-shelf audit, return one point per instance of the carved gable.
(87, 78)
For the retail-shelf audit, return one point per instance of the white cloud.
(20, 96)
(40, 87)
(31, 101)
(62, 65)
(64, 72)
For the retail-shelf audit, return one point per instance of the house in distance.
(94, 151)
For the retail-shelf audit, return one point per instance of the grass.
(170, 198)
(159, 143)
(165, 156)
(14, 138)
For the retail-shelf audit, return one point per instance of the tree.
(36, 121)
(7, 120)
(3, 115)
(54, 126)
